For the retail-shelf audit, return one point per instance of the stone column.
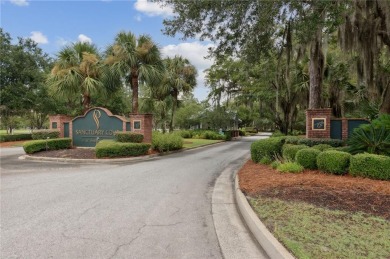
(318, 123)
(143, 124)
(57, 123)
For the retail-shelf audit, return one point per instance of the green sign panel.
(95, 125)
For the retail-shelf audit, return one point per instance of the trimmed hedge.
(316, 141)
(323, 147)
(307, 157)
(290, 167)
(166, 142)
(34, 146)
(332, 161)
(266, 148)
(110, 148)
(371, 166)
(289, 151)
(44, 134)
(129, 137)
(185, 133)
(15, 137)
(292, 140)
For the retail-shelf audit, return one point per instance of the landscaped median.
(328, 213)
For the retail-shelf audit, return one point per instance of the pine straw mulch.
(345, 192)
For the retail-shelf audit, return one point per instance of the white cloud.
(152, 9)
(84, 38)
(195, 52)
(61, 42)
(20, 2)
(38, 37)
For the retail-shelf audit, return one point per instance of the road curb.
(268, 242)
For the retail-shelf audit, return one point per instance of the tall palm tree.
(180, 77)
(136, 60)
(77, 70)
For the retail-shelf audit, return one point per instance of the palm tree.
(77, 70)
(180, 77)
(136, 60)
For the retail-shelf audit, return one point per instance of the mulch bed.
(345, 192)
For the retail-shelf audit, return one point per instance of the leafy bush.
(332, 161)
(228, 135)
(383, 120)
(290, 167)
(316, 141)
(343, 149)
(370, 165)
(251, 129)
(292, 140)
(129, 137)
(289, 151)
(277, 134)
(44, 134)
(322, 147)
(265, 160)
(15, 137)
(34, 146)
(241, 133)
(166, 142)
(275, 164)
(185, 133)
(368, 138)
(266, 148)
(307, 157)
(110, 148)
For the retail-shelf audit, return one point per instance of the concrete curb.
(268, 242)
(110, 160)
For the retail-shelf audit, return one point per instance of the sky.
(53, 24)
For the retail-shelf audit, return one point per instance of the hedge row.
(34, 146)
(269, 147)
(370, 165)
(307, 157)
(15, 137)
(333, 161)
(44, 134)
(129, 137)
(166, 142)
(110, 148)
(289, 151)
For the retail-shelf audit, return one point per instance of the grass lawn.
(313, 232)
(4, 132)
(191, 143)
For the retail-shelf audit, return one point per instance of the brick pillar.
(143, 124)
(57, 123)
(318, 123)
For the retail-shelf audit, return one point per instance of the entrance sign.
(319, 123)
(96, 124)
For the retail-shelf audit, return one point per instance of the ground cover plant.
(319, 215)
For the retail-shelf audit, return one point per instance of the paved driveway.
(159, 208)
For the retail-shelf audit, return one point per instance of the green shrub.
(228, 135)
(110, 148)
(383, 120)
(289, 151)
(251, 129)
(292, 140)
(269, 147)
(371, 166)
(307, 157)
(15, 137)
(265, 160)
(343, 149)
(290, 167)
(166, 142)
(277, 134)
(322, 147)
(241, 133)
(129, 137)
(370, 139)
(44, 134)
(185, 133)
(316, 141)
(34, 146)
(333, 161)
(275, 164)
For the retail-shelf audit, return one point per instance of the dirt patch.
(324, 190)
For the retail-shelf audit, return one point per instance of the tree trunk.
(86, 102)
(134, 88)
(175, 96)
(316, 71)
(385, 107)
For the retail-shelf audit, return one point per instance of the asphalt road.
(161, 208)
